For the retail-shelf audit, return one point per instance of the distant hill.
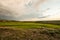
(50, 22)
(44, 22)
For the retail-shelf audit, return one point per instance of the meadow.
(29, 30)
(30, 24)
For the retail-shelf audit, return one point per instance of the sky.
(30, 10)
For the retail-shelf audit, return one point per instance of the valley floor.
(29, 31)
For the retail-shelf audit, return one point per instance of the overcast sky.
(30, 10)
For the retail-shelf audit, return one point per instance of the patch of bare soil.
(29, 34)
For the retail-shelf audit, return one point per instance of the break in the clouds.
(30, 10)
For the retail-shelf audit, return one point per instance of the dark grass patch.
(29, 34)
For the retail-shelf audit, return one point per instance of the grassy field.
(48, 24)
(32, 30)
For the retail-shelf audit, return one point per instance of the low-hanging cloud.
(27, 9)
(18, 9)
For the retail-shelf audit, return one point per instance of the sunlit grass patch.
(28, 25)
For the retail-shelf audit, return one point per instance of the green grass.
(27, 25)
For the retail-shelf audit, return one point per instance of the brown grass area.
(29, 34)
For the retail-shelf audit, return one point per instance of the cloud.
(29, 9)
(18, 9)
